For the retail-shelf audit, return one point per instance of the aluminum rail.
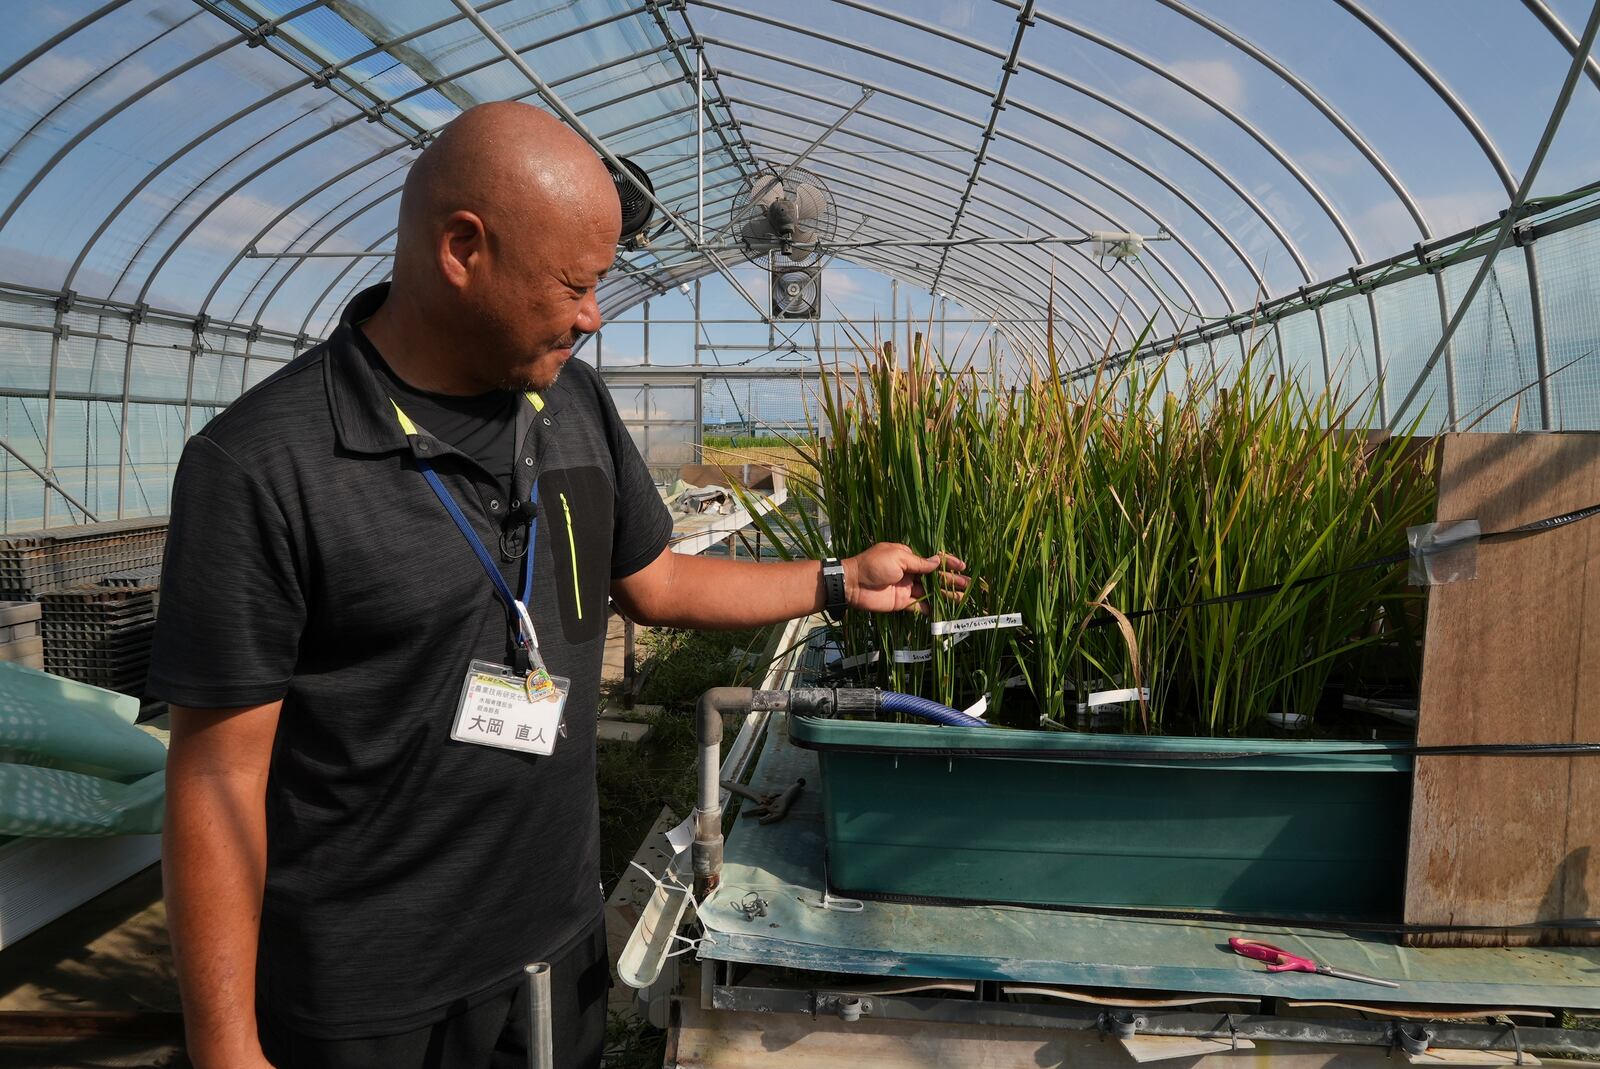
(66, 32)
(1315, 99)
(261, 35)
(1440, 88)
(1423, 257)
(1094, 176)
(996, 105)
(888, 207)
(573, 120)
(1503, 234)
(1053, 119)
(1053, 212)
(1047, 115)
(48, 480)
(371, 251)
(267, 229)
(288, 209)
(1565, 37)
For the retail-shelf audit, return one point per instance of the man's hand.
(888, 578)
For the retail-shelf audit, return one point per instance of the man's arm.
(678, 590)
(214, 860)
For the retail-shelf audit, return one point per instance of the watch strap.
(834, 603)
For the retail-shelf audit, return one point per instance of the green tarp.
(72, 763)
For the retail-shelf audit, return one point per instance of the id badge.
(500, 708)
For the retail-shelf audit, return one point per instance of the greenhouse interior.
(1085, 514)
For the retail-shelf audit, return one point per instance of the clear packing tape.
(1443, 552)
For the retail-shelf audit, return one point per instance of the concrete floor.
(111, 953)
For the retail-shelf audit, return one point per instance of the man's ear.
(462, 248)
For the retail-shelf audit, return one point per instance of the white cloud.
(1446, 213)
(840, 285)
(239, 217)
(1216, 78)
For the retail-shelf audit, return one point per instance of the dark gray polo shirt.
(407, 875)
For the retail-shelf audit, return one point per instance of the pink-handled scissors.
(1282, 961)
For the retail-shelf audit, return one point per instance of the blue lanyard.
(484, 559)
(527, 638)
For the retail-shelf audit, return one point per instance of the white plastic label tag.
(680, 837)
(500, 708)
(976, 623)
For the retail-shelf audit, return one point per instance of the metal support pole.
(1382, 380)
(1541, 353)
(699, 327)
(944, 320)
(50, 407)
(188, 384)
(49, 482)
(541, 1044)
(700, 144)
(1503, 234)
(866, 95)
(647, 330)
(894, 307)
(1449, 354)
(1322, 342)
(122, 431)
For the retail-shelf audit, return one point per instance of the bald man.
(383, 614)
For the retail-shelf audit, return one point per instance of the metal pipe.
(996, 105)
(48, 481)
(700, 146)
(706, 854)
(541, 1043)
(1540, 348)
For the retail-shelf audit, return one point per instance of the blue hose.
(927, 710)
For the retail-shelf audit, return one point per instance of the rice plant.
(1085, 506)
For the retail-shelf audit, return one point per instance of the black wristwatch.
(833, 589)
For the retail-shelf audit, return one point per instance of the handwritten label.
(977, 623)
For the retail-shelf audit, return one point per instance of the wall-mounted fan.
(796, 289)
(636, 207)
(783, 218)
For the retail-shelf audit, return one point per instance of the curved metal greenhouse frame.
(191, 189)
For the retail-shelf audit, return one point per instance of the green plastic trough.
(1040, 818)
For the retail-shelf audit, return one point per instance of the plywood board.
(1512, 656)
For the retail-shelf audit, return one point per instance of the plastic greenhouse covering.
(190, 190)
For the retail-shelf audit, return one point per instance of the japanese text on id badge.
(500, 708)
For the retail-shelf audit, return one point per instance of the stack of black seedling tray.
(100, 632)
(33, 563)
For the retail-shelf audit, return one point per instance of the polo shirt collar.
(364, 417)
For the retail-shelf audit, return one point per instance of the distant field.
(773, 452)
(746, 441)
